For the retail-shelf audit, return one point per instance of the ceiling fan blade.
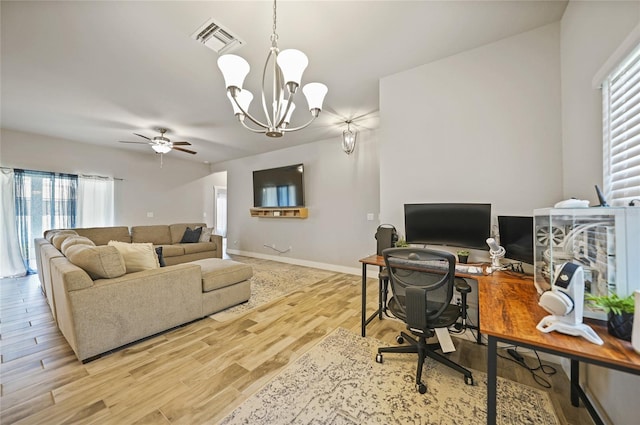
(137, 143)
(181, 144)
(144, 137)
(185, 150)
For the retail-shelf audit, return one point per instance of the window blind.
(621, 126)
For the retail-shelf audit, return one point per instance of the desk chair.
(422, 282)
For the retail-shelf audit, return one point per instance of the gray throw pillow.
(191, 236)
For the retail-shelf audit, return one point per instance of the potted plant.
(619, 311)
(463, 256)
(401, 243)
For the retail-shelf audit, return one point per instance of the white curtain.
(11, 262)
(95, 201)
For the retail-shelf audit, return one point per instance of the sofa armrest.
(218, 241)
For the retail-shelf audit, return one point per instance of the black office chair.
(422, 282)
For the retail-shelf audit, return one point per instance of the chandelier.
(286, 68)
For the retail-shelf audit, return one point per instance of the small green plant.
(613, 303)
(401, 243)
(463, 253)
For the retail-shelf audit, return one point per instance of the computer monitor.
(516, 237)
(451, 224)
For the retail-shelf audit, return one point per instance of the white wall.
(480, 126)
(175, 193)
(339, 192)
(590, 33)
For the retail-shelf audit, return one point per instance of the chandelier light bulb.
(292, 63)
(244, 98)
(315, 93)
(234, 70)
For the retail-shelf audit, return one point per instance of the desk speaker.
(386, 237)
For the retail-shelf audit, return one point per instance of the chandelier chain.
(274, 35)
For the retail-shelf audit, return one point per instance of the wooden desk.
(509, 313)
(372, 260)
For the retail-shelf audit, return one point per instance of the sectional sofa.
(100, 303)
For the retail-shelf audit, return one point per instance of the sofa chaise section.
(101, 315)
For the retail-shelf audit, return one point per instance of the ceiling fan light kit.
(161, 144)
(286, 67)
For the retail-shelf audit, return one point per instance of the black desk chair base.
(424, 350)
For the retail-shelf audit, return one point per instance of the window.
(621, 128)
(43, 201)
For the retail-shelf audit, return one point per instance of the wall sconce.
(349, 139)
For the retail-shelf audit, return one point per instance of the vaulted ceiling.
(99, 71)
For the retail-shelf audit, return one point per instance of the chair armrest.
(462, 286)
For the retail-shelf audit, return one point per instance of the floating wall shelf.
(279, 212)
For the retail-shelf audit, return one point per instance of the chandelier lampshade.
(234, 70)
(285, 69)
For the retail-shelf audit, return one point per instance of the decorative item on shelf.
(287, 68)
(620, 312)
(635, 336)
(349, 138)
(401, 243)
(463, 256)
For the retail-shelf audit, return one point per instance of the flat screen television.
(279, 187)
(516, 237)
(459, 225)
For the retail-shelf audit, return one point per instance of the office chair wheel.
(400, 339)
(422, 388)
(379, 358)
(468, 380)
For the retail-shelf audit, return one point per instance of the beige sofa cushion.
(59, 238)
(75, 240)
(102, 235)
(157, 234)
(177, 230)
(172, 250)
(137, 256)
(100, 262)
(218, 273)
(49, 234)
(192, 248)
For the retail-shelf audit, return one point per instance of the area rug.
(272, 280)
(338, 382)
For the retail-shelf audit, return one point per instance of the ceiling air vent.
(216, 37)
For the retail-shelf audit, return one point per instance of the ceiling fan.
(161, 144)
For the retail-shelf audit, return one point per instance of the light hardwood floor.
(194, 374)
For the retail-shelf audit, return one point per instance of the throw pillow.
(205, 236)
(59, 238)
(191, 236)
(100, 262)
(75, 240)
(137, 256)
(160, 257)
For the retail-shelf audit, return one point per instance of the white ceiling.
(98, 71)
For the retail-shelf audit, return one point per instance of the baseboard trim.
(298, 262)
